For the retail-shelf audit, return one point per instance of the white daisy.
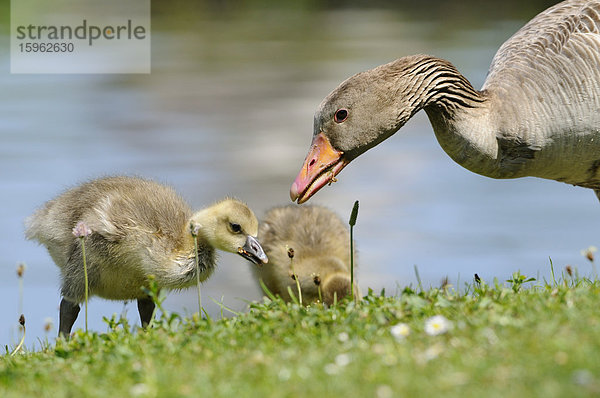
(343, 337)
(437, 325)
(342, 360)
(400, 331)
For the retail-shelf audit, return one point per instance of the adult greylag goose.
(136, 228)
(311, 242)
(537, 114)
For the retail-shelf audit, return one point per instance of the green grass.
(506, 340)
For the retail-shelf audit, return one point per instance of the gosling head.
(230, 226)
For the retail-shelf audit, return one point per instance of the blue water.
(231, 114)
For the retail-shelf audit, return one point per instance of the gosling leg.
(68, 315)
(146, 309)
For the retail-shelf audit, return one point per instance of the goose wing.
(545, 81)
(562, 42)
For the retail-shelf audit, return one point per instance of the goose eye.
(340, 115)
(235, 228)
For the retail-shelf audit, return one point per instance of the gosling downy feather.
(138, 228)
(321, 253)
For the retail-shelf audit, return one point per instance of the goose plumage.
(138, 228)
(320, 242)
(537, 114)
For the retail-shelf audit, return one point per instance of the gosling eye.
(340, 115)
(235, 227)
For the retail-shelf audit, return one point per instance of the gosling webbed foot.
(68, 315)
(146, 310)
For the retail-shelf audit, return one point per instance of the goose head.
(230, 226)
(360, 113)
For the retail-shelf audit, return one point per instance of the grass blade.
(352, 223)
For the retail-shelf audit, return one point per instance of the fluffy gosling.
(139, 228)
(321, 253)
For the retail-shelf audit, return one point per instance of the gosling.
(318, 242)
(138, 228)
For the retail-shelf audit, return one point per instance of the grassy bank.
(496, 340)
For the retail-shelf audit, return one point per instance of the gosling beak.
(320, 167)
(253, 251)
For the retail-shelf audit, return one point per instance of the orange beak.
(320, 167)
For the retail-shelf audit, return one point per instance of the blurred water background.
(227, 110)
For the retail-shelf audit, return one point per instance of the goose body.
(537, 114)
(138, 228)
(321, 253)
